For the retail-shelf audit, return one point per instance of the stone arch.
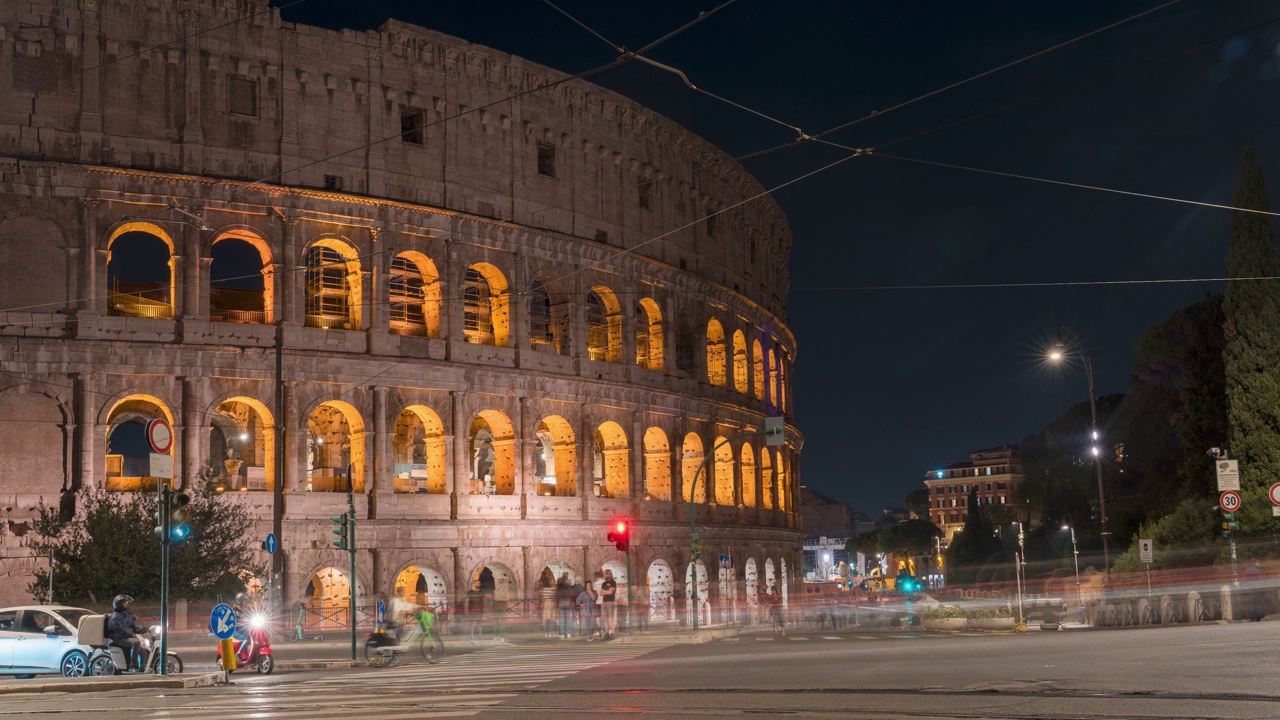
(127, 462)
(751, 582)
(657, 465)
(612, 461)
(492, 443)
(413, 287)
(724, 473)
(772, 385)
(233, 295)
(486, 309)
(770, 577)
(747, 471)
(334, 294)
(335, 441)
(662, 587)
(783, 489)
(783, 371)
(766, 478)
(35, 443)
(715, 353)
(555, 568)
(42, 253)
(757, 369)
(740, 382)
(548, 318)
(649, 339)
(555, 459)
(140, 271)
(784, 583)
(691, 458)
(327, 599)
(604, 325)
(424, 585)
(619, 570)
(418, 452)
(704, 590)
(495, 579)
(242, 444)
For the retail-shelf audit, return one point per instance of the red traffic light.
(621, 535)
(622, 526)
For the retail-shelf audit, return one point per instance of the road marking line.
(764, 639)
(800, 638)
(829, 637)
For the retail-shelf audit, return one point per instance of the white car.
(37, 639)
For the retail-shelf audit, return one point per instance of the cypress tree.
(1252, 354)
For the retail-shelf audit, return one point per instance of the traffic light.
(340, 528)
(162, 509)
(620, 535)
(1230, 526)
(695, 546)
(179, 513)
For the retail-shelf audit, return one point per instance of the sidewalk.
(55, 683)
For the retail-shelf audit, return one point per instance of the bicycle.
(383, 650)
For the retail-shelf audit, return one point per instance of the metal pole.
(693, 528)
(50, 576)
(1075, 552)
(1017, 574)
(1097, 465)
(630, 629)
(1235, 579)
(277, 486)
(351, 551)
(165, 523)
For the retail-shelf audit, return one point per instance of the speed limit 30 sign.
(1230, 501)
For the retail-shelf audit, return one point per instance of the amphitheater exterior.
(513, 320)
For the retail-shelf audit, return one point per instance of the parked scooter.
(107, 659)
(255, 651)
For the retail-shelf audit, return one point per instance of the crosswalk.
(457, 687)
(875, 638)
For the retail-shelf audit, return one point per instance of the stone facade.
(995, 473)
(513, 319)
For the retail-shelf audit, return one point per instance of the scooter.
(109, 659)
(255, 651)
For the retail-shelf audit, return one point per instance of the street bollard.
(228, 659)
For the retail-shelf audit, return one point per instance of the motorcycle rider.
(242, 609)
(123, 629)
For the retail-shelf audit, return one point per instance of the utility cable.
(1040, 284)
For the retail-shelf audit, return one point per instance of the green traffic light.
(340, 529)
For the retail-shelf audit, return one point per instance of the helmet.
(119, 601)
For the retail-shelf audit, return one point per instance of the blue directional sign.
(270, 544)
(382, 612)
(222, 621)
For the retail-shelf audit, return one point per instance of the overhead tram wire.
(578, 76)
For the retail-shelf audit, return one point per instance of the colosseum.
(500, 305)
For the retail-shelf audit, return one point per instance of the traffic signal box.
(620, 533)
(1230, 526)
(342, 528)
(172, 513)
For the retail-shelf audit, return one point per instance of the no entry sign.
(1230, 501)
(160, 435)
(1275, 494)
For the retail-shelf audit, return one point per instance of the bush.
(946, 611)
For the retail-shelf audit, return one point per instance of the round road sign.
(1230, 501)
(160, 435)
(1275, 494)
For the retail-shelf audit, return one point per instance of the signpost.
(1228, 475)
(1275, 500)
(1230, 500)
(222, 623)
(1145, 553)
(160, 436)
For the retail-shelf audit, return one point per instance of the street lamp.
(1075, 552)
(1057, 354)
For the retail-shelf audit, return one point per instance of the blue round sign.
(222, 621)
(270, 544)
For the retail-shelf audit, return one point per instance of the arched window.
(128, 460)
(766, 478)
(604, 325)
(716, 374)
(418, 452)
(242, 445)
(757, 368)
(649, 343)
(542, 332)
(773, 377)
(555, 459)
(486, 313)
(657, 465)
(492, 454)
(333, 286)
(724, 472)
(739, 362)
(241, 285)
(140, 272)
(747, 470)
(413, 287)
(692, 455)
(784, 371)
(612, 462)
(335, 442)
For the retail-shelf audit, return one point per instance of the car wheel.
(266, 664)
(75, 664)
(102, 666)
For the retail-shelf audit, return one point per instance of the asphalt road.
(1214, 671)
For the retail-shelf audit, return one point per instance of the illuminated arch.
(661, 582)
(773, 377)
(649, 342)
(423, 585)
(747, 470)
(784, 490)
(335, 440)
(723, 472)
(555, 458)
(232, 296)
(612, 461)
(486, 312)
(739, 362)
(143, 286)
(691, 458)
(604, 325)
(492, 443)
(757, 368)
(548, 318)
(496, 580)
(418, 452)
(242, 444)
(413, 286)
(766, 478)
(128, 457)
(657, 464)
(715, 353)
(333, 285)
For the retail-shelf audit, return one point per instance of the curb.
(85, 685)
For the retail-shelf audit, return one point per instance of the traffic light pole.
(165, 522)
(631, 531)
(351, 551)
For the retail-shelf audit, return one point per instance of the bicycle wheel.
(432, 648)
(373, 654)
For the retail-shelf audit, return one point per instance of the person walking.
(609, 605)
(564, 603)
(547, 595)
(475, 610)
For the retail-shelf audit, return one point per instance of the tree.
(109, 547)
(974, 544)
(913, 537)
(917, 502)
(1252, 354)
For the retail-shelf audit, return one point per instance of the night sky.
(891, 382)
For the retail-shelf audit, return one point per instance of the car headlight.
(257, 621)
